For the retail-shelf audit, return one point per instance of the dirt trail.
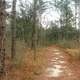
(60, 66)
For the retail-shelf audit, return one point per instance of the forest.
(39, 39)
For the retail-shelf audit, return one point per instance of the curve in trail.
(59, 66)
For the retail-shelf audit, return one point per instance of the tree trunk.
(75, 15)
(79, 20)
(2, 36)
(34, 31)
(13, 46)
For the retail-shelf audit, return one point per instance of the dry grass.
(75, 53)
(24, 66)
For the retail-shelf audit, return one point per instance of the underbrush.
(72, 47)
(20, 51)
(27, 68)
(23, 67)
(75, 53)
(69, 43)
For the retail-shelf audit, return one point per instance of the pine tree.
(13, 47)
(34, 34)
(2, 36)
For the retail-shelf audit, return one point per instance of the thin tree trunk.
(34, 31)
(13, 47)
(75, 15)
(79, 15)
(2, 36)
(79, 20)
(39, 37)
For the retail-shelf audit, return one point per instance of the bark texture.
(34, 30)
(2, 36)
(13, 47)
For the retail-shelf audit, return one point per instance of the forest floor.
(52, 63)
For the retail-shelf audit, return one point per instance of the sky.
(49, 15)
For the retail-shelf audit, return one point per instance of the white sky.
(49, 15)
